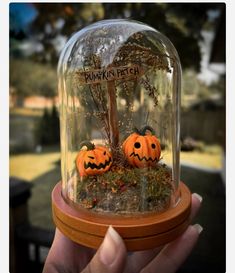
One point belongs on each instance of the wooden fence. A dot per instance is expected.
(208, 126)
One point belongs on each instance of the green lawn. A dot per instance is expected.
(30, 166)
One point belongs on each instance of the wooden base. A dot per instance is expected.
(139, 231)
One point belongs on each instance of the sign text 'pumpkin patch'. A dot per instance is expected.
(109, 74)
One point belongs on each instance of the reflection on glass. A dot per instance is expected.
(119, 87)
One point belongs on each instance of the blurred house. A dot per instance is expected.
(32, 102)
(40, 102)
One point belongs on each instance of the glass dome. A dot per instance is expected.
(119, 89)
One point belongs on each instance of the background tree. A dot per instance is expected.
(32, 78)
(182, 23)
(51, 24)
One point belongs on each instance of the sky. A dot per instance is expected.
(209, 72)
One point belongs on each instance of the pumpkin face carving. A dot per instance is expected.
(95, 160)
(142, 148)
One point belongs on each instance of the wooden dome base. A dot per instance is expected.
(139, 231)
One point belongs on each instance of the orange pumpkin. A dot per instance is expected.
(94, 160)
(142, 148)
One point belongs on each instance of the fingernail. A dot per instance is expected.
(109, 247)
(198, 227)
(199, 197)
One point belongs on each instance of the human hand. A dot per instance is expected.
(66, 256)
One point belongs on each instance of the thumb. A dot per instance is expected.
(110, 257)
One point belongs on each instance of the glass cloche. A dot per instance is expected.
(119, 89)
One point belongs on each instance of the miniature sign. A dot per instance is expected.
(109, 74)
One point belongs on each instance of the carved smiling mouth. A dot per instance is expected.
(98, 167)
(143, 158)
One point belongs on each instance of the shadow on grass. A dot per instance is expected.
(209, 254)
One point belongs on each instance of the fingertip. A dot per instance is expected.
(197, 196)
(192, 233)
(111, 255)
(111, 245)
(196, 204)
(198, 228)
(115, 236)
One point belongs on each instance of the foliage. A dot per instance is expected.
(182, 23)
(53, 24)
(30, 78)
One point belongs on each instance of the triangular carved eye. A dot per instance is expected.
(153, 145)
(137, 145)
(104, 152)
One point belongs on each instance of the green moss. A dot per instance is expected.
(126, 190)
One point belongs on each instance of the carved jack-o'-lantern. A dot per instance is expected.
(94, 160)
(142, 148)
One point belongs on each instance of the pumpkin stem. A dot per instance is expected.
(88, 144)
(136, 130)
(146, 128)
